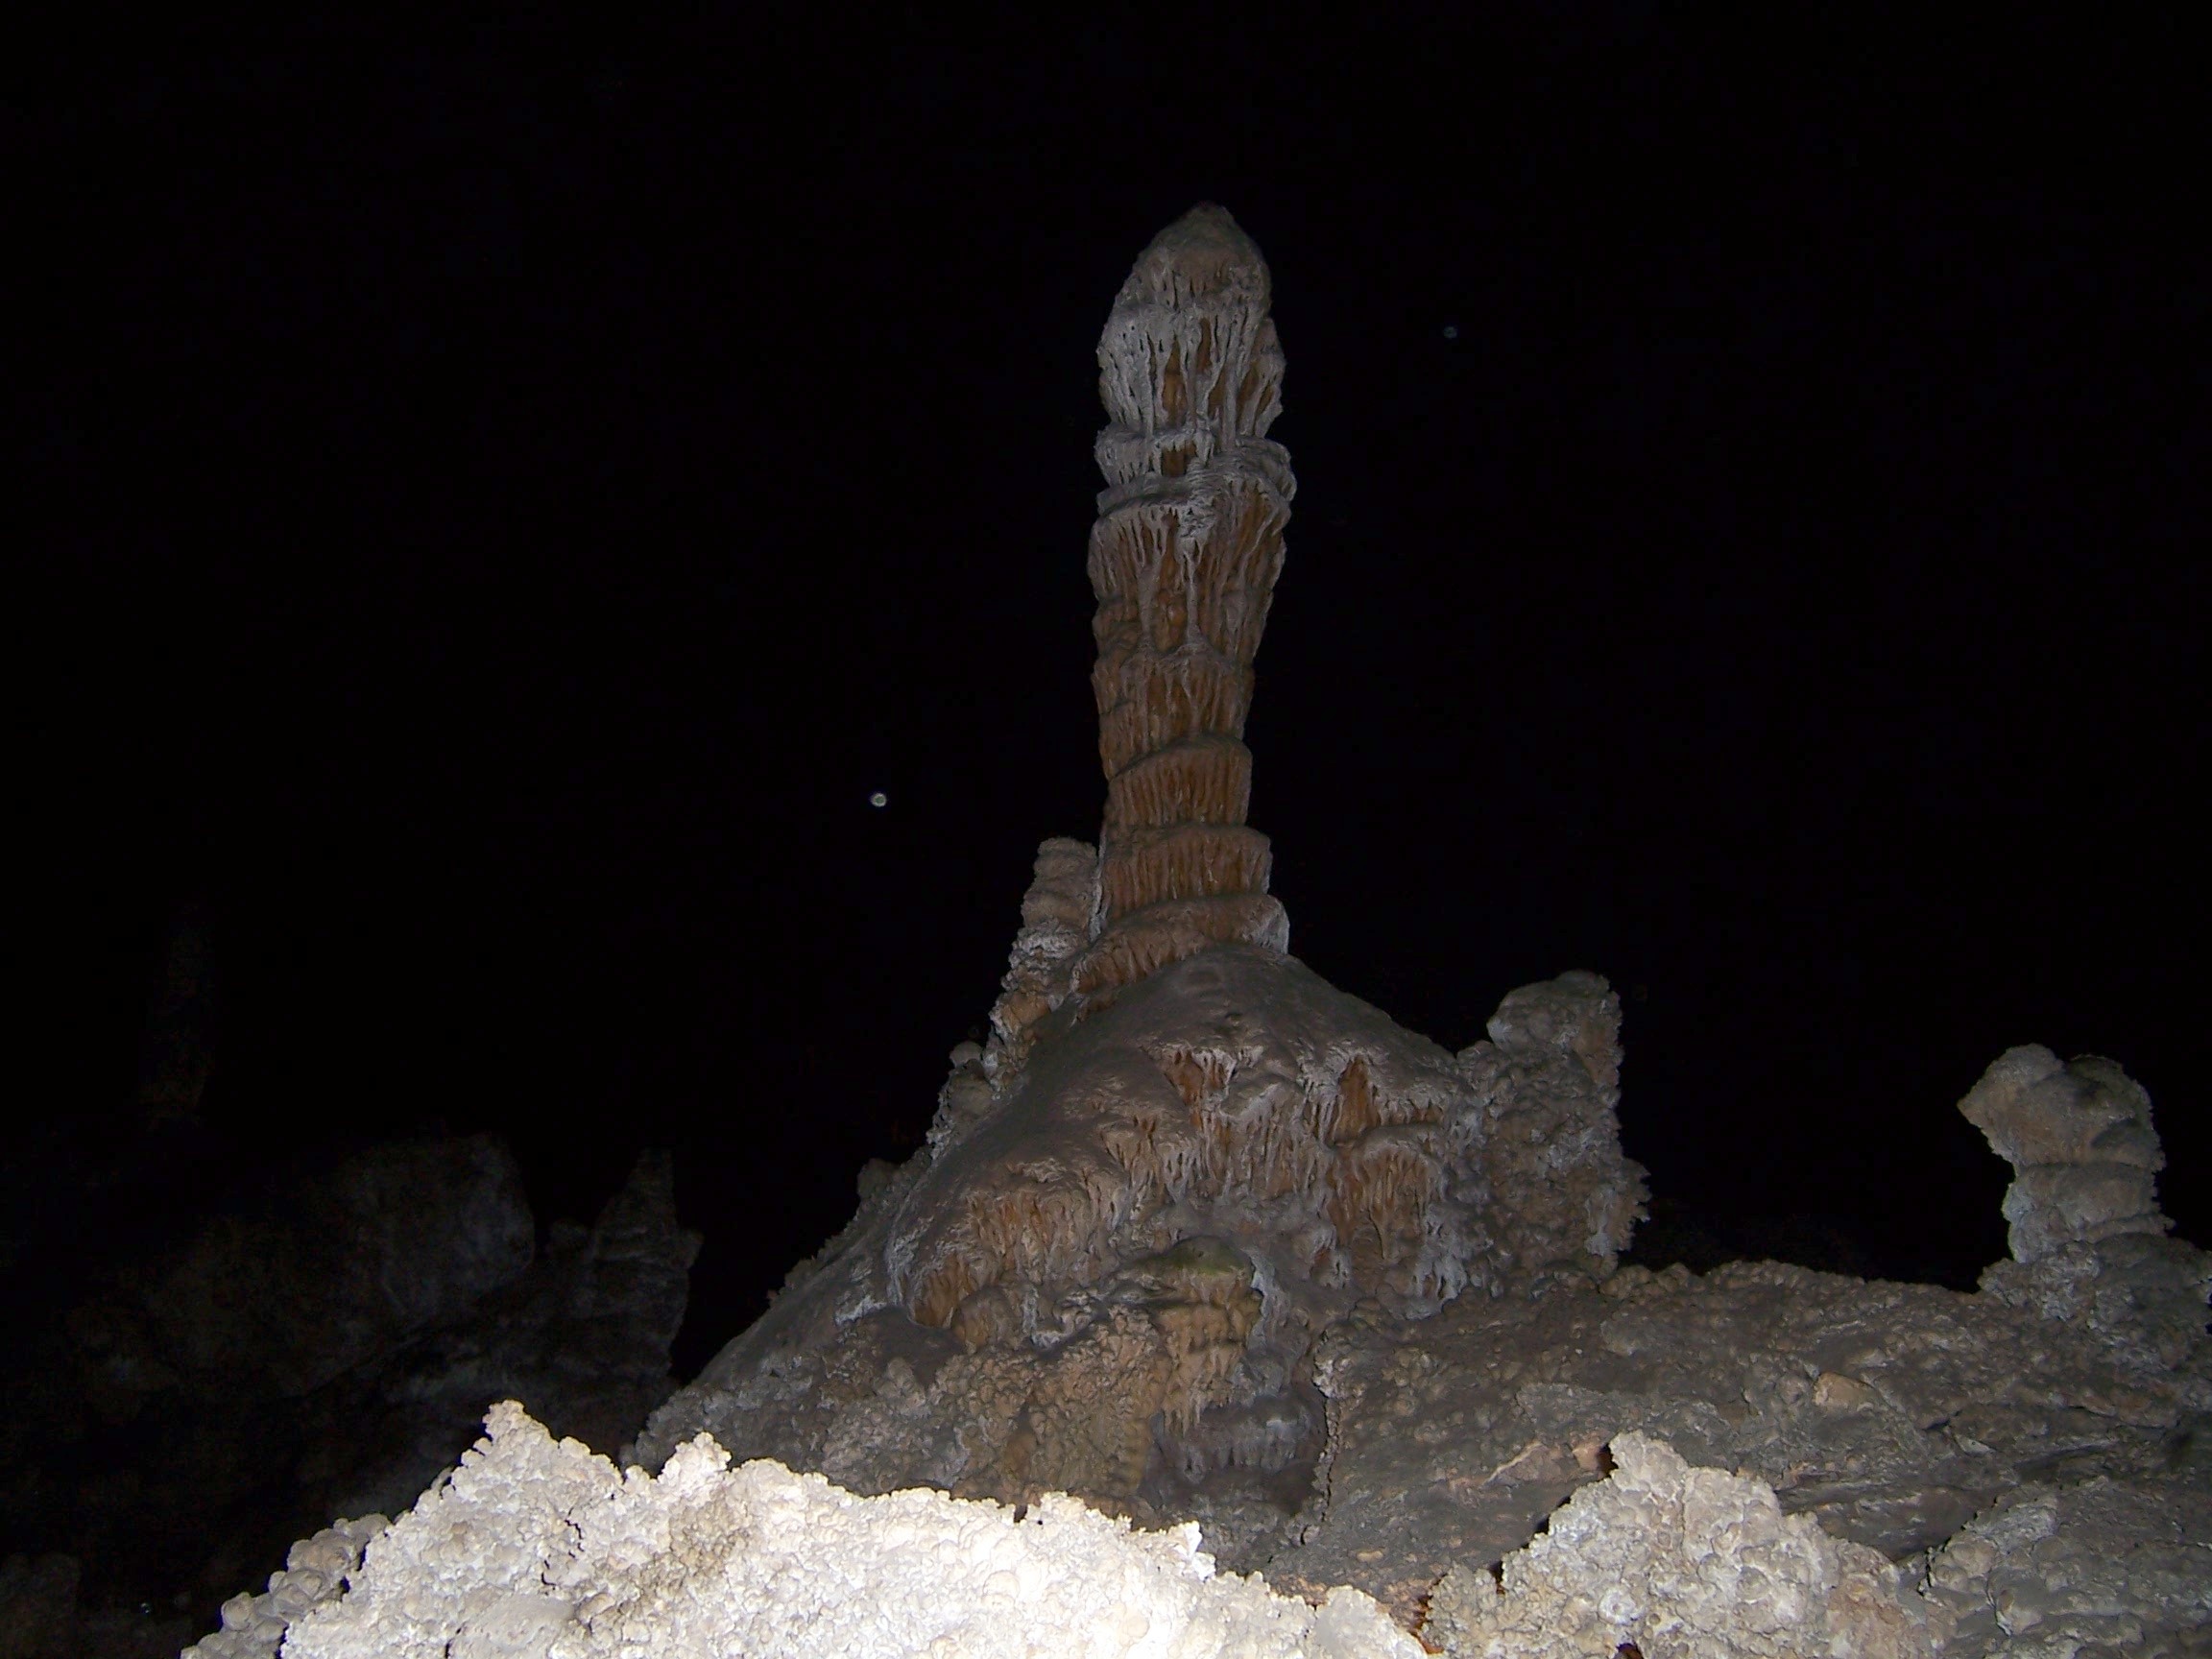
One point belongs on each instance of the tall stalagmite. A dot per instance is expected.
(1183, 559)
(1197, 1236)
(1182, 1157)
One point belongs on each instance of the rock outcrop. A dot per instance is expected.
(533, 1548)
(2094, 1570)
(277, 1303)
(317, 1572)
(1889, 1414)
(1568, 1199)
(1203, 1237)
(1059, 914)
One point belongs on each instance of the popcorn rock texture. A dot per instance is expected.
(1184, 559)
(1682, 1563)
(539, 1549)
(315, 1571)
(2095, 1571)
(2089, 1243)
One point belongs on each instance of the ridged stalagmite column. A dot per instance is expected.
(1184, 559)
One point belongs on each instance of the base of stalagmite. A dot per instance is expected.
(1107, 1277)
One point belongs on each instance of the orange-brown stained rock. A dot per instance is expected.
(1184, 559)
(1355, 1112)
(1198, 780)
(1148, 701)
(1166, 932)
(1184, 861)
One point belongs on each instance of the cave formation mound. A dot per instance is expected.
(1196, 1236)
(1113, 1283)
(1182, 1156)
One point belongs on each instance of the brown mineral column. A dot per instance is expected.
(1183, 559)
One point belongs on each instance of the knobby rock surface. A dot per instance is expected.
(540, 1550)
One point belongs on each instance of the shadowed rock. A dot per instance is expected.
(176, 1048)
(325, 1353)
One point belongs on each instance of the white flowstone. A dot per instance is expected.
(535, 1548)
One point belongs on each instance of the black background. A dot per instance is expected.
(513, 499)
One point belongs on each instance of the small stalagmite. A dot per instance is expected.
(1183, 559)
